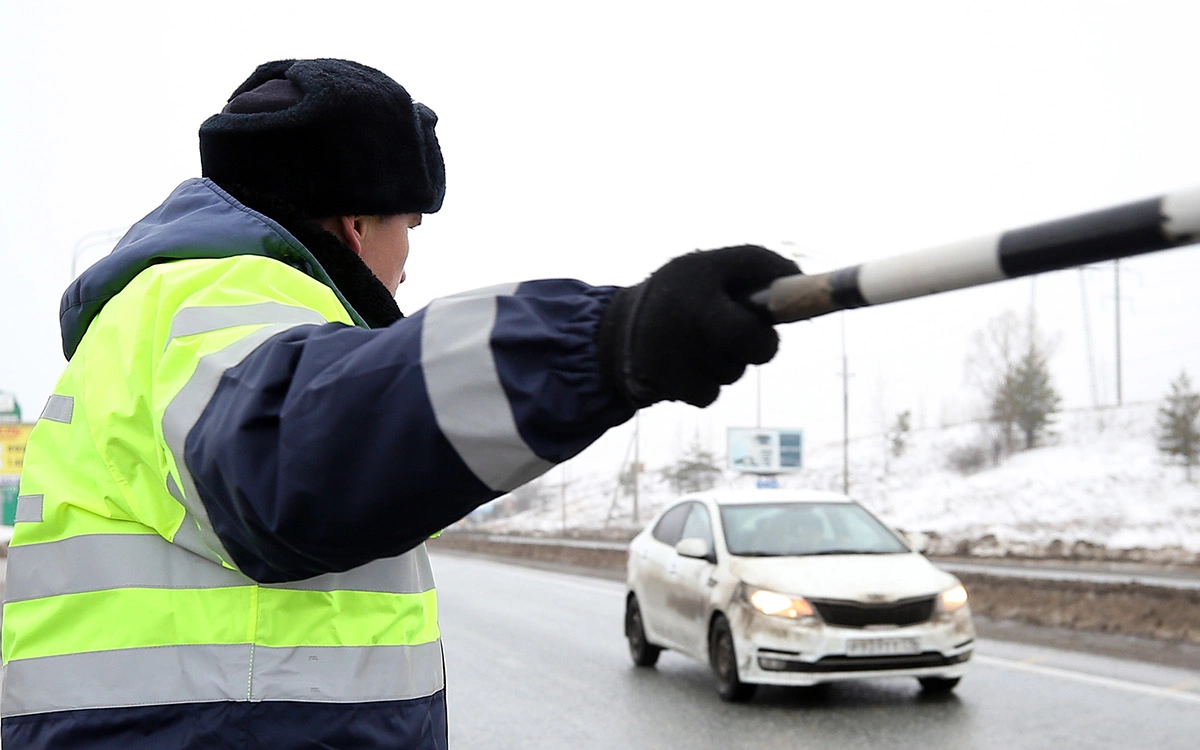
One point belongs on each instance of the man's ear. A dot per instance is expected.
(348, 229)
(352, 232)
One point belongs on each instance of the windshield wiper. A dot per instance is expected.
(853, 552)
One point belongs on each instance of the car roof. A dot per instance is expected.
(775, 495)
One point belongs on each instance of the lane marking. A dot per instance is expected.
(1185, 685)
(1108, 682)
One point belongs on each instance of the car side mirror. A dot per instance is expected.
(694, 547)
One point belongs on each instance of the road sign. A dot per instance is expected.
(12, 457)
(764, 450)
(10, 410)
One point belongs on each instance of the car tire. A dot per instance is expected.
(644, 653)
(723, 657)
(938, 685)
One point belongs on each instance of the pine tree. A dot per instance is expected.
(695, 472)
(1179, 424)
(1026, 398)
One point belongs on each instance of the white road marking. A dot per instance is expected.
(1090, 679)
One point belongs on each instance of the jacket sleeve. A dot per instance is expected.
(327, 446)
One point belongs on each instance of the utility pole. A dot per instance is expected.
(845, 412)
(758, 396)
(637, 461)
(1117, 307)
(563, 497)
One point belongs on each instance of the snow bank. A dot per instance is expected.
(1100, 490)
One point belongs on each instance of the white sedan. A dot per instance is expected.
(787, 587)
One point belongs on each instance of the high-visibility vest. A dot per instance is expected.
(119, 592)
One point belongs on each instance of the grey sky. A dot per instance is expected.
(598, 141)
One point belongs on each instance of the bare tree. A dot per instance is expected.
(1008, 365)
(994, 353)
(898, 434)
(529, 495)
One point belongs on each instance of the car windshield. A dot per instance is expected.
(784, 529)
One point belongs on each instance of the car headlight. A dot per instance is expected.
(778, 605)
(953, 599)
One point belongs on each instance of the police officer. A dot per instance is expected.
(221, 523)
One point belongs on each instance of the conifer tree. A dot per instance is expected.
(1026, 398)
(1179, 424)
(695, 472)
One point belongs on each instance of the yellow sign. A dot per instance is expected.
(12, 447)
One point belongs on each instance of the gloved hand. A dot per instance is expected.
(687, 329)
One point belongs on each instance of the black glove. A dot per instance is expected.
(687, 330)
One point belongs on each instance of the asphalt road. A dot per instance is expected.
(536, 659)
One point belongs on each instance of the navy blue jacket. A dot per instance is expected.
(330, 446)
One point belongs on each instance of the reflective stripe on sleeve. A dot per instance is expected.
(99, 562)
(464, 388)
(59, 408)
(194, 320)
(207, 673)
(29, 510)
(185, 409)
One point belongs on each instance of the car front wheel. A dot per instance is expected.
(724, 663)
(644, 653)
(938, 685)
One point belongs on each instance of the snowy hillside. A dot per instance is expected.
(1102, 491)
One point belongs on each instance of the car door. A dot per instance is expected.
(652, 581)
(690, 581)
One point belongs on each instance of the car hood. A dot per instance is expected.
(869, 578)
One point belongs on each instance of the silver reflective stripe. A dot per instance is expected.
(187, 406)
(207, 673)
(99, 562)
(29, 509)
(194, 320)
(59, 408)
(347, 674)
(464, 388)
(409, 573)
(147, 676)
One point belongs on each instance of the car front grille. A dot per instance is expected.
(864, 663)
(860, 615)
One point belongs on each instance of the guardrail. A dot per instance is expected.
(1128, 607)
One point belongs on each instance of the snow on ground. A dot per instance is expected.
(1100, 490)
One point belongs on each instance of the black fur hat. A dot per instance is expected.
(330, 137)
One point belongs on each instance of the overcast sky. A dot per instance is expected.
(598, 140)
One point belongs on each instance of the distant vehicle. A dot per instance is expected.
(786, 587)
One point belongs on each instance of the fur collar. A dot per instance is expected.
(365, 293)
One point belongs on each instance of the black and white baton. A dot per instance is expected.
(1158, 223)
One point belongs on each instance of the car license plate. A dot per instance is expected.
(881, 646)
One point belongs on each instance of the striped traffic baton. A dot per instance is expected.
(1170, 220)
